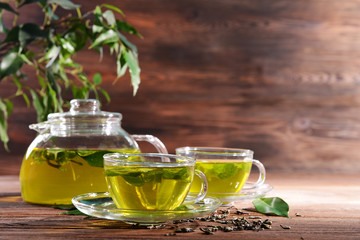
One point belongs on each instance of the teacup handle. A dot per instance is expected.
(159, 145)
(203, 190)
(262, 175)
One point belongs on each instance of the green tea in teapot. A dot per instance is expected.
(45, 172)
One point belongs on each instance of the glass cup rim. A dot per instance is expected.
(120, 158)
(216, 151)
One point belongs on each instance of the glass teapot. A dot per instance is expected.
(66, 158)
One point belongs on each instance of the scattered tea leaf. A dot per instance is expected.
(285, 227)
(272, 205)
(184, 230)
(170, 234)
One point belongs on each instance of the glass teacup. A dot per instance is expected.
(152, 181)
(226, 169)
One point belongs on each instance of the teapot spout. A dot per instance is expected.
(40, 127)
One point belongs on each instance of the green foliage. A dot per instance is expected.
(56, 42)
(5, 110)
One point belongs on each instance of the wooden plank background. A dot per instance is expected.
(279, 77)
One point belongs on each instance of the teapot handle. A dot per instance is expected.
(159, 145)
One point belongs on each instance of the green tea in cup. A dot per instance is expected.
(226, 169)
(150, 181)
(224, 176)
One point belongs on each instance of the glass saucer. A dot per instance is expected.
(101, 205)
(246, 193)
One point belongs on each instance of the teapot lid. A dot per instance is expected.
(84, 117)
(84, 109)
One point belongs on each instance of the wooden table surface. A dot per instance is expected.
(329, 205)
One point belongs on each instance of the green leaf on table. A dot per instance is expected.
(71, 209)
(73, 212)
(64, 207)
(272, 205)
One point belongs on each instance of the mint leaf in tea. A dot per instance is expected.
(224, 176)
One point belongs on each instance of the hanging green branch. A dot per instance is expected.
(58, 39)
